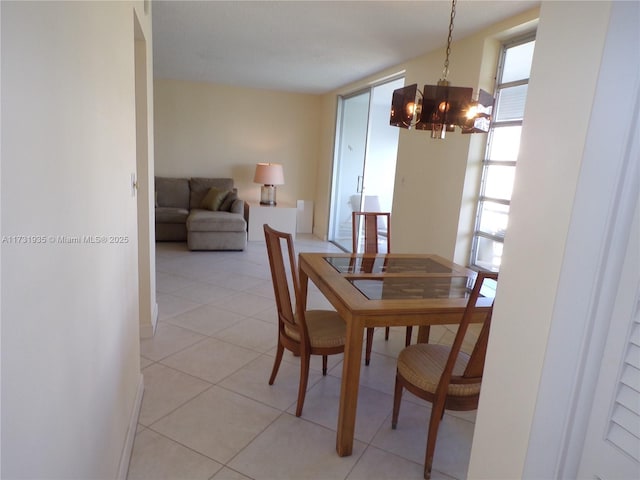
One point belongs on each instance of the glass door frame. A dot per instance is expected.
(339, 228)
(336, 224)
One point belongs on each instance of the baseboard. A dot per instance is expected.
(123, 467)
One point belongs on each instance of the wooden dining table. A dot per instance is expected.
(379, 290)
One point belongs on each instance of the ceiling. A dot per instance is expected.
(306, 46)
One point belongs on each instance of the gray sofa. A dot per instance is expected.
(186, 210)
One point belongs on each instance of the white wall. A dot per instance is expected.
(608, 191)
(71, 379)
(210, 130)
(564, 77)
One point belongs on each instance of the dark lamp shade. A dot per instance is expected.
(483, 109)
(404, 111)
(444, 105)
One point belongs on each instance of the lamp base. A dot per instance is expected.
(268, 195)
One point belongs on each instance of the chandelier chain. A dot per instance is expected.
(445, 71)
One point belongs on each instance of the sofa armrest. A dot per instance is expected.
(237, 207)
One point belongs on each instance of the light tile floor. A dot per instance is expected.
(209, 413)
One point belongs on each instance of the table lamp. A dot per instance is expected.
(270, 175)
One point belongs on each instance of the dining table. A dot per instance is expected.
(380, 290)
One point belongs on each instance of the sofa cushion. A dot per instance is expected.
(207, 221)
(172, 192)
(171, 215)
(214, 198)
(228, 202)
(200, 187)
(219, 241)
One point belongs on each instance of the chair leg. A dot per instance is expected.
(324, 365)
(386, 333)
(407, 337)
(304, 377)
(423, 334)
(276, 363)
(367, 356)
(397, 397)
(437, 412)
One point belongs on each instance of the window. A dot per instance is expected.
(501, 154)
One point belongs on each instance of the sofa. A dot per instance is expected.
(206, 212)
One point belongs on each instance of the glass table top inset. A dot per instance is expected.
(381, 264)
(406, 288)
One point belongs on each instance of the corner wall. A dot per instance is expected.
(71, 382)
(565, 72)
(145, 173)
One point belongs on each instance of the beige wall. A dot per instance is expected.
(71, 381)
(436, 182)
(204, 129)
(564, 72)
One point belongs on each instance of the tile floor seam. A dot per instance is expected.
(164, 319)
(250, 442)
(309, 386)
(235, 325)
(244, 347)
(191, 449)
(222, 379)
(226, 309)
(212, 335)
(273, 324)
(174, 440)
(369, 445)
(228, 389)
(150, 426)
(181, 372)
(200, 340)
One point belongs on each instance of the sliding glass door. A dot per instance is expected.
(364, 160)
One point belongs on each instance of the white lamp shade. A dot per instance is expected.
(269, 174)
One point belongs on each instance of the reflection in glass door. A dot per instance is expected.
(364, 160)
(349, 158)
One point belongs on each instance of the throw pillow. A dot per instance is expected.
(214, 198)
(228, 202)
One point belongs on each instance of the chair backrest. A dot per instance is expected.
(284, 277)
(475, 365)
(368, 223)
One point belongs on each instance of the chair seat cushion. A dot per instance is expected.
(326, 329)
(423, 363)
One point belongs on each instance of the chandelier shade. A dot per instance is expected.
(444, 107)
(440, 108)
(404, 107)
(480, 114)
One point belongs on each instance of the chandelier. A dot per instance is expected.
(440, 108)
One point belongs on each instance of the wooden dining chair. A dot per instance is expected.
(303, 332)
(366, 226)
(444, 375)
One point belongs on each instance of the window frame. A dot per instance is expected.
(478, 233)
